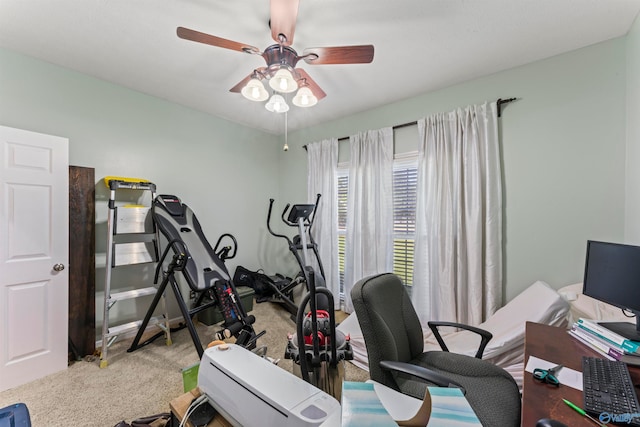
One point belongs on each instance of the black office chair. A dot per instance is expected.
(395, 347)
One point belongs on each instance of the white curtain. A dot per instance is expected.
(322, 162)
(369, 240)
(458, 253)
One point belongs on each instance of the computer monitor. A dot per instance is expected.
(612, 275)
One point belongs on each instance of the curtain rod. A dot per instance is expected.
(499, 102)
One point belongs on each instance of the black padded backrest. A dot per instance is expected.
(176, 220)
(388, 321)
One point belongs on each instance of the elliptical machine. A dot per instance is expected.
(317, 349)
(300, 216)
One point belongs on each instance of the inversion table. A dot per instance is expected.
(203, 269)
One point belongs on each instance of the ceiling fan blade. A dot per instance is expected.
(197, 36)
(283, 20)
(243, 82)
(362, 54)
(317, 91)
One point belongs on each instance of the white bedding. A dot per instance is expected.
(589, 308)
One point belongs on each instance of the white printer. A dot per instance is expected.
(248, 391)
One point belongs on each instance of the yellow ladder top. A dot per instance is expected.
(108, 179)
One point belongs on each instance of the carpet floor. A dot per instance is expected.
(140, 383)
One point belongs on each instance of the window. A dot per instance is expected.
(343, 189)
(405, 178)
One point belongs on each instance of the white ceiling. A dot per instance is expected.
(420, 45)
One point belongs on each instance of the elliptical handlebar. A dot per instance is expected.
(302, 217)
(305, 211)
(313, 217)
(284, 212)
(273, 233)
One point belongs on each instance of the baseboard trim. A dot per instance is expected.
(131, 333)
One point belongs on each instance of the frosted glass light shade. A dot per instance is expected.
(283, 81)
(277, 104)
(255, 91)
(304, 98)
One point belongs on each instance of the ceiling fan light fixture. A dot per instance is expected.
(255, 91)
(283, 81)
(304, 98)
(277, 104)
(281, 60)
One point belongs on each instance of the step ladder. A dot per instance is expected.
(132, 239)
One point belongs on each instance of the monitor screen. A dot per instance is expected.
(612, 275)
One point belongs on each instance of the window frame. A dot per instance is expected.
(342, 172)
(407, 160)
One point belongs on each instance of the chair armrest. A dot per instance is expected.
(422, 373)
(485, 336)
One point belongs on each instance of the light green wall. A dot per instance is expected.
(632, 219)
(223, 171)
(563, 146)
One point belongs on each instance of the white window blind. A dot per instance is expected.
(405, 178)
(343, 188)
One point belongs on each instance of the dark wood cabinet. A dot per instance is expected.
(82, 283)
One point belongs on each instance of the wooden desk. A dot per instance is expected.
(554, 344)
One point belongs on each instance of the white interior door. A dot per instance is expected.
(34, 252)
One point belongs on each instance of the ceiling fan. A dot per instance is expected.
(281, 60)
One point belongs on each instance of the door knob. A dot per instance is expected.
(58, 267)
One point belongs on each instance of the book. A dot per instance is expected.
(572, 332)
(190, 377)
(610, 336)
(604, 347)
(597, 343)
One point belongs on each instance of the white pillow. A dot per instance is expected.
(590, 308)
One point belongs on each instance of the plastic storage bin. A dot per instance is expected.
(212, 315)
